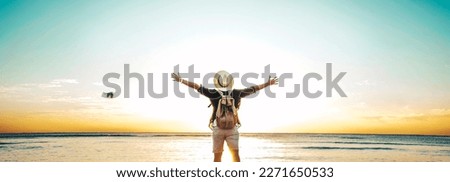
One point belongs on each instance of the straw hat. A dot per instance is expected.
(223, 81)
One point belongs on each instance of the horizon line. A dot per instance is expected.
(181, 132)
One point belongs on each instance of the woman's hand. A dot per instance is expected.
(211, 126)
(176, 77)
(273, 81)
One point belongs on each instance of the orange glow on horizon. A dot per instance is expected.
(20, 123)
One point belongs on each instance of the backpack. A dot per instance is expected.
(226, 114)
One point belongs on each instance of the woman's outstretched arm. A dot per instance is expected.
(253, 89)
(176, 77)
(272, 81)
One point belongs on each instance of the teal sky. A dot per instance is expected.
(36, 34)
(396, 53)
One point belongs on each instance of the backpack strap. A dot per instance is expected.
(232, 104)
(220, 92)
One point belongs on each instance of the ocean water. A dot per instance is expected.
(194, 147)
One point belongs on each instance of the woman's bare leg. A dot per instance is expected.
(235, 156)
(218, 157)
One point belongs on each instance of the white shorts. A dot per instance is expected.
(221, 135)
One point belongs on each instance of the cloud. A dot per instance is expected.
(56, 83)
(27, 90)
(440, 111)
(55, 96)
(64, 81)
(44, 85)
(366, 83)
(97, 84)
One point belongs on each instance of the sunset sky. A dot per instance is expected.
(396, 55)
